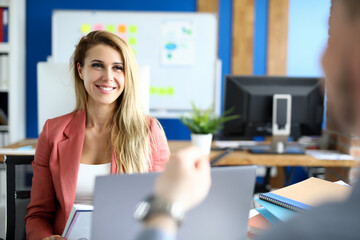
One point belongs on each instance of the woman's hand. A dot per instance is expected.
(54, 237)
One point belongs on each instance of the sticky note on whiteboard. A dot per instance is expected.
(153, 90)
(132, 29)
(98, 27)
(122, 28)
(171, 91)
(110, 28)
(132, 41)
(85, 28)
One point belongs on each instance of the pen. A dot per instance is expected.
(220, 156)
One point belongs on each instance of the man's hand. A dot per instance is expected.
(186, 179)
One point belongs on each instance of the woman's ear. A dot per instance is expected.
(79, 70)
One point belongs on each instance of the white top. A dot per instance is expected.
(86, 181)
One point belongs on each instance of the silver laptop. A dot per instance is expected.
(223, 214)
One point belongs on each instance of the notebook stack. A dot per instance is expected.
(282, 204)
(259, 221)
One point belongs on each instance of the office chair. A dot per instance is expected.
(17, 200)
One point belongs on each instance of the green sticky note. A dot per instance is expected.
(132, 29)
(134, 52)
(132, 41)
(110, 28)
(153, 90)
(171, 91)
(162, 91)
(85, 28)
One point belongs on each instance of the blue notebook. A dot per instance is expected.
(309, 193)
(267, 215)
(283, 214)
(284, 202)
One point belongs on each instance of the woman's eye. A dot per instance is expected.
(96, 65)
(120, 68)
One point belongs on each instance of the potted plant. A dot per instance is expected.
(203, 124)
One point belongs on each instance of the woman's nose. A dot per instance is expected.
(107, 75)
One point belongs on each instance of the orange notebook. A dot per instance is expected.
(307, 194)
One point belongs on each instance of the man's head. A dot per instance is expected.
(341, 63)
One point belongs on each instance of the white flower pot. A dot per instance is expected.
(202, 141)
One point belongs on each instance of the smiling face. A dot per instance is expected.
(103, 75)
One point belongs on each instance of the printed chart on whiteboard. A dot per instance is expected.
(178, 46)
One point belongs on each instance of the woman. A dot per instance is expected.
(107, 133)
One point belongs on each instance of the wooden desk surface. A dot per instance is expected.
(243, 157)
(246, 158)
(26, 142)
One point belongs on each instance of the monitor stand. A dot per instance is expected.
(278, 147)
(281, 125)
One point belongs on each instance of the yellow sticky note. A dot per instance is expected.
(153, 90)
(110, 28)
(162, 91)
(132, 41)
(85, 28)
(132, 29)
(171, 91)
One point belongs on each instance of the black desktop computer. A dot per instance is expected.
(273, 106)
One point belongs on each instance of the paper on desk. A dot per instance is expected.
(17, 151)
(79, 222)
(342, 183)
(328, 155)
(234, 144)
(253, 212)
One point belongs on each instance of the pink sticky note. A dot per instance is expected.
(98, 27)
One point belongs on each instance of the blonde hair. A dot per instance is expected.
(130, 131)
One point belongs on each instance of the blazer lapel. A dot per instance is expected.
(113, 167)
(69, 153)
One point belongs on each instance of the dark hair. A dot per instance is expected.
(352, 6)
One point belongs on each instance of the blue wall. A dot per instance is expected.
(307, 30)
(38, 43)
(260, 36)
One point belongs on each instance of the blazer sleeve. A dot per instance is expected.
(42, 207)
(154, 234)
(160, 152)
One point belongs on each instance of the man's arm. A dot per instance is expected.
(186, 181)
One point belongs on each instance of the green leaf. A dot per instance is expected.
(206, 121)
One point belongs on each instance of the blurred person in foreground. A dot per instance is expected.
(187, 178)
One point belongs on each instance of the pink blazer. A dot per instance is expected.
(56, 166)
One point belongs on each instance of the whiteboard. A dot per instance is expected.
(179, 48)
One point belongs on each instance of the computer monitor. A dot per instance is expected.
(251, 97)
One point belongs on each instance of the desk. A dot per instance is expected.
(246, 158)
(26, 142)
(334, 169)
(242, 157)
